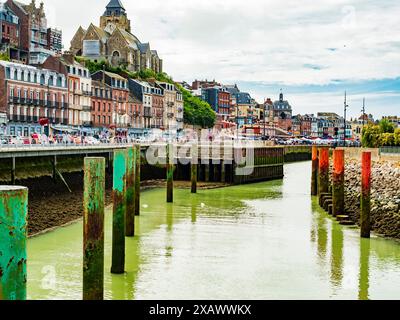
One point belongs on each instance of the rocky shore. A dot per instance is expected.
(385, 196)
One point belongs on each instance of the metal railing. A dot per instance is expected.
(389, 150)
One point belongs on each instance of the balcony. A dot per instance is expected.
(170, 104)
(87, 108)
(147, 112)
(86, 93)
(170, 115)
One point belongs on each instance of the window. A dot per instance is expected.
(104, 119)
(104, 106)
(98, 107)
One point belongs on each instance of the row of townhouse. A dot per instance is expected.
(230, 104)
(62, 94)
(323, 125)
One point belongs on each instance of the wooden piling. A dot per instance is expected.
(314, 175)
(365, 218)
(338, 183)
(93, 228)
(119, 212)
(13, 170)
(193, 170)
(130, 193)
(13, 235)
(207, 172)
(170, 173)
(137, 179)
(323, 171)
(223, 175)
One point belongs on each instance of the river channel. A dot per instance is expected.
(260, 241)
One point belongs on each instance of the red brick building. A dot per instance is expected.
(102, 105)
(224, 103)
(135, 113)
(120, 96)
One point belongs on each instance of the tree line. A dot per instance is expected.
(379, 135)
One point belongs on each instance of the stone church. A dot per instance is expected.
(114, 42)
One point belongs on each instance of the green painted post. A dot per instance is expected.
(93, 228)
(194, 163)
(130, 193)
(119, 212)
(13, 235)
(137, 179)
(170, 174)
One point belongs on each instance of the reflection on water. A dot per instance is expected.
(365, 247)
(261, 241)
(336, 255)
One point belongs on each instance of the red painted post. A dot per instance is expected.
(365, 218)
(338, 183)
(323, 171)
(314, 176)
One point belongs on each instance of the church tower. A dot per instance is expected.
(116, 14)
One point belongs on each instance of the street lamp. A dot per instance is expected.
(363, 113)
(265, 118)
(346, 106)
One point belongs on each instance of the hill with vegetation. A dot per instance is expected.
(196, 111)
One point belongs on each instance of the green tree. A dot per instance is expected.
(4, 56)
(386, 126)
(371, 136)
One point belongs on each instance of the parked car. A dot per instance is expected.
(91, 141)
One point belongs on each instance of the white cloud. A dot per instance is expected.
(280, 42)
(256, 39)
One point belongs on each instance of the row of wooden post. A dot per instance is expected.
(126, 197)
(320, 183)
(126, 205)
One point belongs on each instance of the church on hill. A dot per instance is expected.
(113, 41)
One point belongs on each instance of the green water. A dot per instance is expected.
(261, 241)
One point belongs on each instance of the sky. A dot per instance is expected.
(313, 50)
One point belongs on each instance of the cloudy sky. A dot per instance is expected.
(313, 50)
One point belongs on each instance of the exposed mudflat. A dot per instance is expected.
(51, 204)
